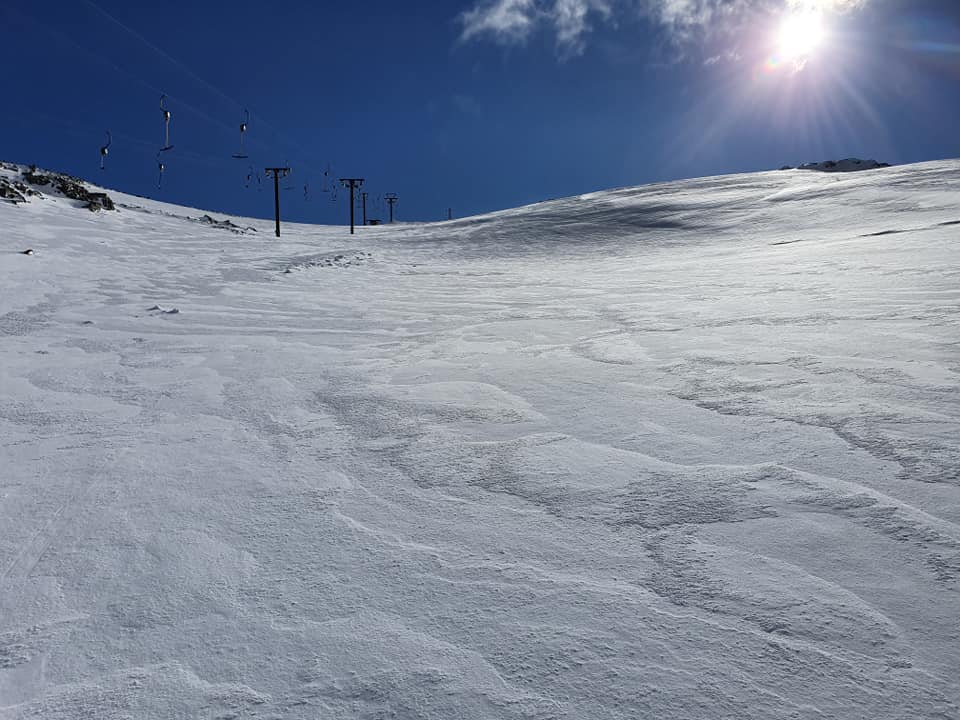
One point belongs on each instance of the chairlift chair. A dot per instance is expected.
(105, 150)
(166, 124)
(243, 130)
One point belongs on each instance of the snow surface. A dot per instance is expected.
(680, 451)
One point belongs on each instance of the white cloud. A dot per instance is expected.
(569, 18)
(512, 21)
(505, 20)
(826, 5)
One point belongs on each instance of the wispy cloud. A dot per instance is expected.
(512, 22)
(570, 19)
(506, 21)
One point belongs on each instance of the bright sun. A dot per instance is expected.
(800, 35)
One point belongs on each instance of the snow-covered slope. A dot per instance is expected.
(680, 451)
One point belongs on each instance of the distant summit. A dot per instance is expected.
(848, 165)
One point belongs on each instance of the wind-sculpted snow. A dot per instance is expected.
(681, 451)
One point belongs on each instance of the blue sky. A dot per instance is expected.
(469, 105)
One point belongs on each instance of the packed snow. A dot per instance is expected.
(689, 450)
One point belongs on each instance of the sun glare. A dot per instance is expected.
(800, 35)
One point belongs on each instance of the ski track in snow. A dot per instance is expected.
(681, 451)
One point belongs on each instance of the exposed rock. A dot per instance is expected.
(16, 191)
(100, 201)
(10, 193)
(847, 165)
(225, 225)
(70, 187)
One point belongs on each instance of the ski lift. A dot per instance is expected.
(166, 125)
(166, 139)
(243, 129)
(325, 183)
(105, 150)
(251, 174)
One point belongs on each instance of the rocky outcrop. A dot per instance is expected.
(847, 165)
(224, 225)
(69, 187)
(100, 201)
(15, 191)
